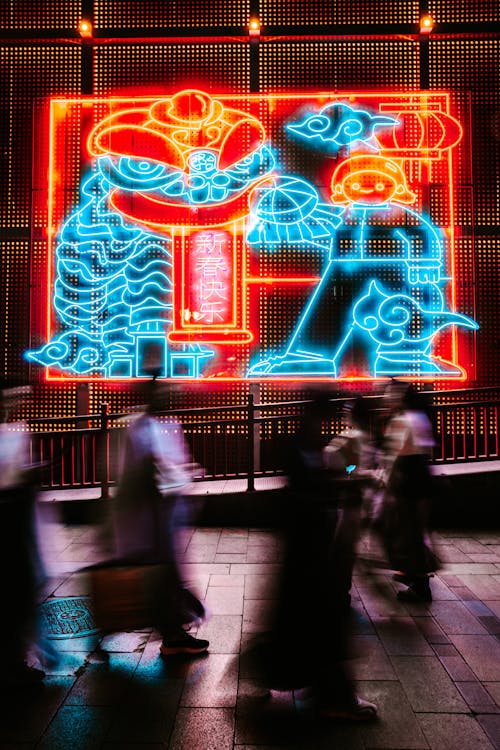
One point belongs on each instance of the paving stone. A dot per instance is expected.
(455, 617)
(445, 649)
(478, 608)
(482, 654)
(77, 727)
(490, 623)
(203, 729)
(211, 682)
(223, 632)
(234, 544)
(453, 732)
(125, 642)
(494, 690)
(457, 668)
(26, 714)
(483, 586)
(449, 553)
(104, 684)
(401, 636)
(491, 725)
(441, 590)
(257, 615)
(428, 685)
(469, 545)
(397, 727)
(431, 630)
(261, 554)
(478, 698)
(370, 659)
(270, 720)
(261, 586)
(230, 557)
(225, 600)
(227, 580)
(201, 553)
(471, 568)
(464, 593)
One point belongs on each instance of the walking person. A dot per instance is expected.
(20, 564)
(308, 592)
(408, 443)
(350, 456)
(145, 519)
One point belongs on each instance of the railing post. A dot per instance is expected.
(103, 453)
(250, 444)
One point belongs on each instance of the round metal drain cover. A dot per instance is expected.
(70, 617)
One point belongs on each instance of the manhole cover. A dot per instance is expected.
(70, 617)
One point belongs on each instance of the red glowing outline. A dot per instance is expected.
(437, 105)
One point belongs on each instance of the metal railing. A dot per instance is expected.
(244, 441)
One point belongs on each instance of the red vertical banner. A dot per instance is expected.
(209, 283)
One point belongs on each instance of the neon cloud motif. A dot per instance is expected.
(380, 236)
(337, 126)
(402, 330)
(289, 210)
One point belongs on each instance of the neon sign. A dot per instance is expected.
(184, 201)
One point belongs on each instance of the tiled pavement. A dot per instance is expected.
(433, 670)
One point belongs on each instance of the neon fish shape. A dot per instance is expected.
(289, 210)
(337, 125)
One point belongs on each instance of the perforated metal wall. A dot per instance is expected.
(42, 56)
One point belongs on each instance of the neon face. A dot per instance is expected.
(183, 201)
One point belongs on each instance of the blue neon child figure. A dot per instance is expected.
(380, 300)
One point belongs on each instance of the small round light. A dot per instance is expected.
(254, 27)
(85, 28)
(426, 24)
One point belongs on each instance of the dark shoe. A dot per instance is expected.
(415, 594)
(360, 710)
(184, 644)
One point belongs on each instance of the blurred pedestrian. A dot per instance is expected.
(297, 655)
(350, 456)
(408, 442)
(19, 559)
(148, 499)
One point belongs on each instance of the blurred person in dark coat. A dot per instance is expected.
(300, 652)
(20, 570)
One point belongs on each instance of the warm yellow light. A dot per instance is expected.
(254, 27)
(426, 24)
(85, 28)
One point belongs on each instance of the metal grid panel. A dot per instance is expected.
(463, 11)
(378, 12)
(19, 15)
(14, 272)
(28, 73)
(174, 14)
(471, 69)
(168, 67)
(356, 64)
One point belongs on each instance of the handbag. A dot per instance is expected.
(127, 596)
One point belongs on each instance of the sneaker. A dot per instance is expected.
(360, 710)
(184, 644)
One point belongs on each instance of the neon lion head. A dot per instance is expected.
(370, 180)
